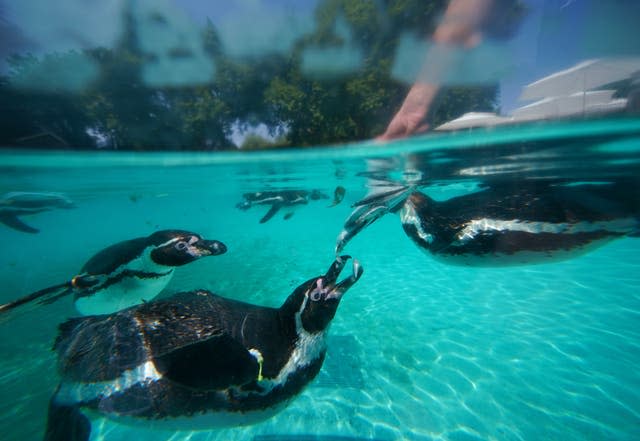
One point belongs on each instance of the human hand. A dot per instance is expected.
(410, 119)
(403, 125)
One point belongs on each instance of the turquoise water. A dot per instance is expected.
(419, 349)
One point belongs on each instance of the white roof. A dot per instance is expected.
(563, 94)
(575, 104)
(584, 76)
(474, 119)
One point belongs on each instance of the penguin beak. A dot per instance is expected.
(337, 290)
(210, 247)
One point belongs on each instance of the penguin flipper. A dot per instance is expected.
(66, 423)
(12, 221)
(46, 295)
(272, 212)
(215, 363)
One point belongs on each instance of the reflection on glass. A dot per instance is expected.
(163, 75)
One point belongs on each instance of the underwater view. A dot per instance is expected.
(320, 220)
(419, 348)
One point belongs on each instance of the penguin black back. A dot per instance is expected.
(196, 359)
(521, 224)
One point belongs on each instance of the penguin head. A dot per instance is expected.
(177, 247)
(315, 301)
(420, 222)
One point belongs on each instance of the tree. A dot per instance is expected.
(345, 99)
(359, 104)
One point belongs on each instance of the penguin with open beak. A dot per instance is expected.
(195, 360)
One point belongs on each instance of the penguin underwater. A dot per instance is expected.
(507, 224)
(126, 273)
(279, 199)
(15, 204)
(193, 361)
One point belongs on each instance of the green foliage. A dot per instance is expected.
(301, 110)
(254, 141)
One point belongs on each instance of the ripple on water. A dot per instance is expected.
(544, 352)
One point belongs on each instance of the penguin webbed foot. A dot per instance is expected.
(359, 219)
(370, 209)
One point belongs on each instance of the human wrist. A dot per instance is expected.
(418, 99)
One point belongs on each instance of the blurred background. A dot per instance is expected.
(249, 74)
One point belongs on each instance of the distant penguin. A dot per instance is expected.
(278, 199)
(16, 204)
(126, 273)
(338, 195)
(194, 361)
(514, 224)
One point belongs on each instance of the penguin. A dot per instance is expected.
(15, 204)
(278, 199)
(194, 361)
(126, 273)
(338, 195)
(505, 224)
(518, 226)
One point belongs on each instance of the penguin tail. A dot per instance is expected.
(43, 296)
(66, 423)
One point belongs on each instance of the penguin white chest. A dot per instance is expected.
(136, 282)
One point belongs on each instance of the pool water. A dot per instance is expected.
(419, 350)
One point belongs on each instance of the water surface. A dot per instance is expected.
(419, 349)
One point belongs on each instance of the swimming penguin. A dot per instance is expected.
(194, 361)
(15, 204)
(512, 224)
(279, 199)
(126, 273)
(338, 195)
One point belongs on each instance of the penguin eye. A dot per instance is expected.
(181, 246)
(315, 295)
